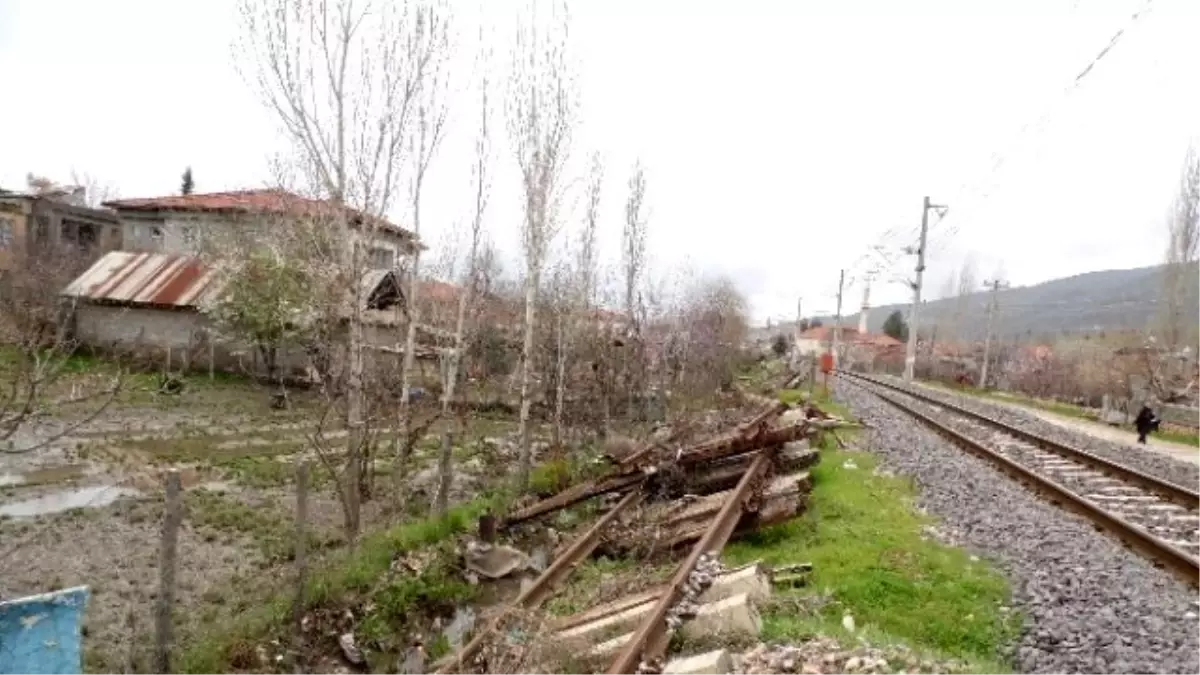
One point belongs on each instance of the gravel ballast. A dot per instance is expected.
(1089, 604)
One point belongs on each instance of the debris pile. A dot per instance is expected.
(658, 499)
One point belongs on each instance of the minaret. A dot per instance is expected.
(862, 316)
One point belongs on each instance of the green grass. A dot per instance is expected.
(864, 541)
(269, 530)
(1056, 407)
(347, 576)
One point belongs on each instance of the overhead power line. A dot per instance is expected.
(999, 158)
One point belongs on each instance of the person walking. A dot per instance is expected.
(1145, 422)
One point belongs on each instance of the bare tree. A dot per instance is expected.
(633, 261)
(84, 189)
(542, 104)
(341, 78)
(481, 179)
(582, 297)
(1183, 228)
(431, 100)
(968, 283)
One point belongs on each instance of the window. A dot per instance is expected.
(6, 233)
(189, 236)
(155, 233)
(382, 258)
(88, 235)
(41, 233)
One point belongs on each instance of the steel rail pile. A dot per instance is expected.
(1180, 562)
(756, 440)
(647, 647)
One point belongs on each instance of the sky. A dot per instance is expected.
(781, 140)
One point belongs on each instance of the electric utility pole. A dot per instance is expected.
(995, 285)
(836, 334)
(910, 351)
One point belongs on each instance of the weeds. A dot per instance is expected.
(869, 556)
(352, 574)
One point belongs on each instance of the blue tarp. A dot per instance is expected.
(43, 633)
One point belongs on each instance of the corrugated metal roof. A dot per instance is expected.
(160, 279)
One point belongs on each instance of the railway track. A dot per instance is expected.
(1158, 518)
(748, 459)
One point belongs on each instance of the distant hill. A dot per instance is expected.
(1091, 302)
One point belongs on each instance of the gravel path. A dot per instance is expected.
(1090, 605)
(1161, 466)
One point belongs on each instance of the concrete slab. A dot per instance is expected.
(733, 616)
(625, 614)
(712, 663)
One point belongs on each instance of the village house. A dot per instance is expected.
(179, 224)
(151, 305)
(855, 348)
(54, 224)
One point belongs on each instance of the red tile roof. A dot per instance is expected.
(438, 291)
(246, 201)
(822, 332)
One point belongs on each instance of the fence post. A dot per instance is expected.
(301, 543)
(172, 517)
(445, 474)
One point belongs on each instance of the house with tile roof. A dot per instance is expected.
(178, 224)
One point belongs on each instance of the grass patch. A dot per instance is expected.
(262, 471)
(213, 447)
(1056, 407)
(585, 581)
(266, 528)
(348, 575)
(864, 541)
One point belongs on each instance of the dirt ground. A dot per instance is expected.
(87, 509)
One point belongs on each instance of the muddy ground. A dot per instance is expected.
(87, 509)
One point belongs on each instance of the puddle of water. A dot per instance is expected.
(95, 496)
(216, 486)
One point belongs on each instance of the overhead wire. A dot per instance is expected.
(998, 158)
(886, 256)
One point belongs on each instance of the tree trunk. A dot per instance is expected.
(525, 465)
(560, 384)
(445, 474)
(355, 403)
(406, 369)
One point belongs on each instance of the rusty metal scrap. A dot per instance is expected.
(649, 642)
(631, 471)
(537, 592)
(702, 493)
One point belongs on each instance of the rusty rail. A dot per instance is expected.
(650, 639)
(537, 592)
(628, 475)
(1179, 562)
(733, 445)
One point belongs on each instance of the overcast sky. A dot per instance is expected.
(781, 139)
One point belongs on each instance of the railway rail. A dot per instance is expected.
(1158, 518)
(747, 458)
